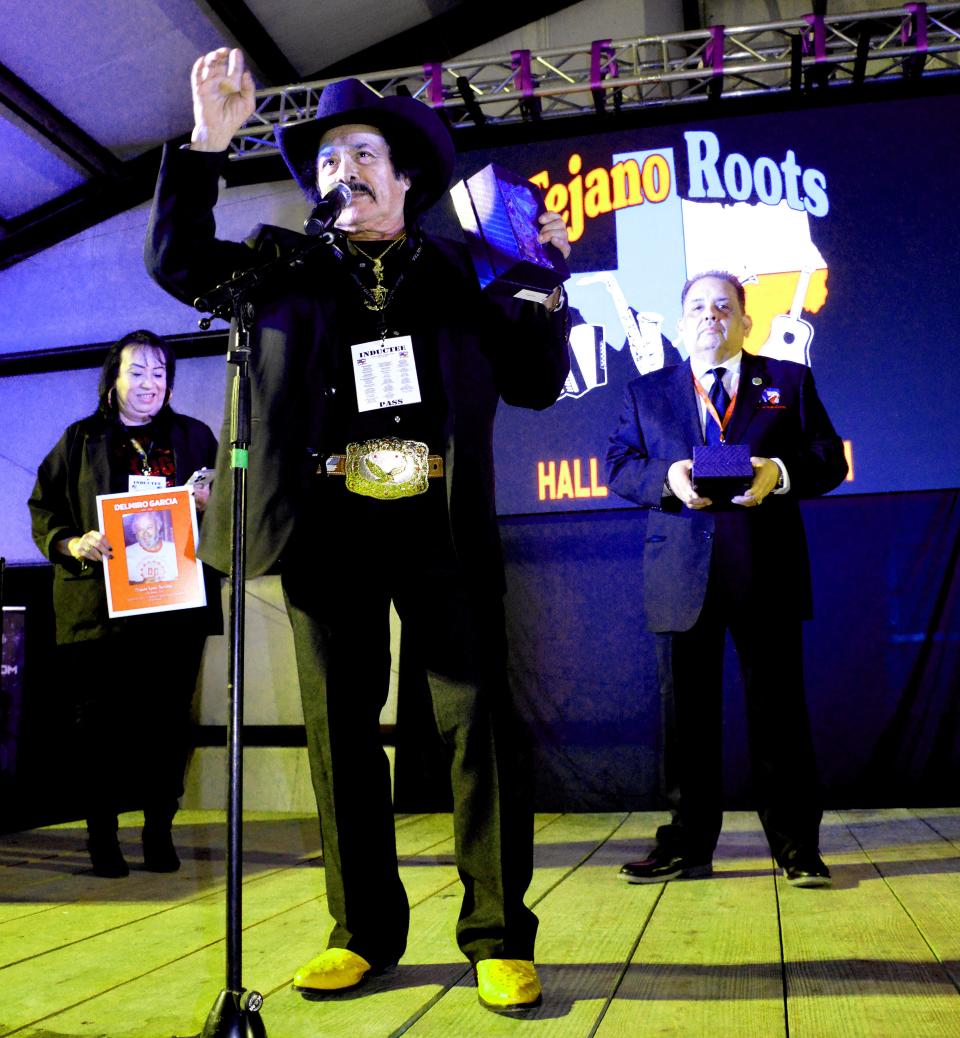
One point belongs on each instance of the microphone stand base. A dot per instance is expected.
(235, 1015)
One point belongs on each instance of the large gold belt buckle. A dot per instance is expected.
(387, 469)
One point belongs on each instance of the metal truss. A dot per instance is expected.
(812, 52)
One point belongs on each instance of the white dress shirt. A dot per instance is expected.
(703, 370)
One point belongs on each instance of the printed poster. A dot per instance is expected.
(154, 539)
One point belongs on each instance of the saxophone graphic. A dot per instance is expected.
(642, 331)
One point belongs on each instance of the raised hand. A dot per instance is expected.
(222, 98)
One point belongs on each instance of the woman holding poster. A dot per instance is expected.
(139, 671)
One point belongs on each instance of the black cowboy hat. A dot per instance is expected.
(420, 144)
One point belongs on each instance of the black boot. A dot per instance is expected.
(105, 854)
(159, 854)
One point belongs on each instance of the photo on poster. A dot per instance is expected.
(150, 547)
(154, 567)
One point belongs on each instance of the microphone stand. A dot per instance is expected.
(236, 1011)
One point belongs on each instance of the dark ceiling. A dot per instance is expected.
(89, 92)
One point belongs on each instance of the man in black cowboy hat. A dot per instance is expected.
(378, 366)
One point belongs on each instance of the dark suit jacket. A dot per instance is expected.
(660, 424)
(64, 504)
(487, 350)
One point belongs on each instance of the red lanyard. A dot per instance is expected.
(711, 410)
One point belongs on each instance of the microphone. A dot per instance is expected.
(316, 225)
(326, 211)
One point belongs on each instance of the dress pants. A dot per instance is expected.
(338, 603)
(131, 714)
(769, 647)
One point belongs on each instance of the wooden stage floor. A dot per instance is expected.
(741, 954)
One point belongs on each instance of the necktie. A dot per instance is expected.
(721, 401)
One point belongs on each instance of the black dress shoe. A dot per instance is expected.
(106, 857)
(806, 869)
(159, 854)
(659, 868)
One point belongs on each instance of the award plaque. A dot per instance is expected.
(723, 472)
(498, 211)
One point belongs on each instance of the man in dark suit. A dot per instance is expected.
(738, 565)
(377, 368)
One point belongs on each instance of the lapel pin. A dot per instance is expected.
(757, 380)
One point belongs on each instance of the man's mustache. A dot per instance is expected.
(360, 188)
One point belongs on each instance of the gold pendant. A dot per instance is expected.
(378, 293)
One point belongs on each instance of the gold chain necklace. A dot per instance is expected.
(378, 292)
(143, 455)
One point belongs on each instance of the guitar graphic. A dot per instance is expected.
(643, 336)
(790, 335)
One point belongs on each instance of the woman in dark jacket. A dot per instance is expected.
(134, 676)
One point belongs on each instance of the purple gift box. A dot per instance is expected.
(498, 211)
(722, 472)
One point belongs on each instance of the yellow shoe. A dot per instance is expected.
(508, 985)
(336, 969)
